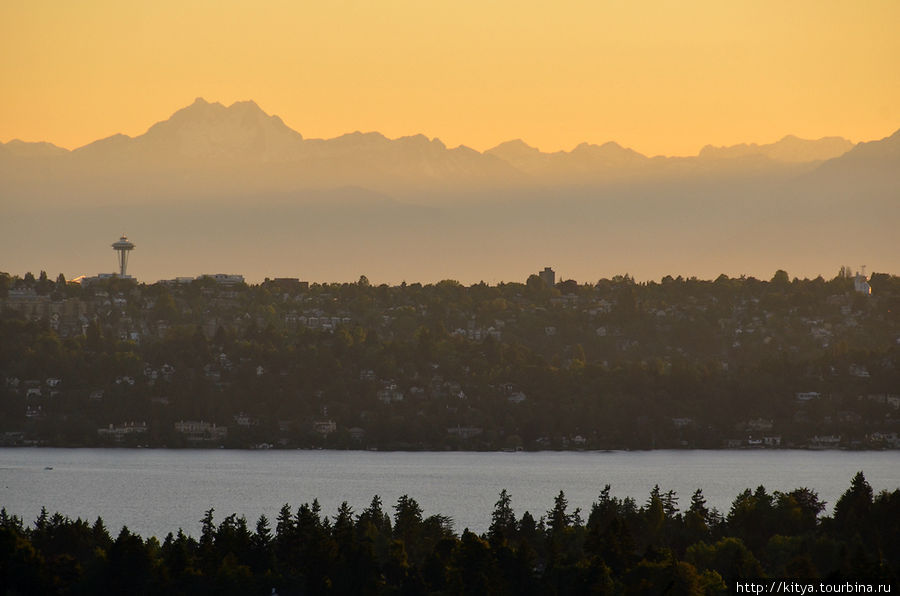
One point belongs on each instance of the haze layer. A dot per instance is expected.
(233, 189)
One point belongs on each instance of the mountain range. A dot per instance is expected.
(412, 208)
(208, 149)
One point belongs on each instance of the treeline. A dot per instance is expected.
(620, 548)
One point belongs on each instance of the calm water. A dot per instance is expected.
(157, 491)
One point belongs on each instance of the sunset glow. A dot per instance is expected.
(660, 77)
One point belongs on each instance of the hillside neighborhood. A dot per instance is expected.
(545, 364)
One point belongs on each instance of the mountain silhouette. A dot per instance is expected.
(240, 147)
(233, 188)
(585, 162)
(871, 168)
(204, 133)
(873, 154)
(788, 149)
(18, 148)
(207, 149)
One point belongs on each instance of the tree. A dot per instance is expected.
(100, 535)
(375, 515)
(286, 540)
(557, 518)
(654, 514)
(23, 569)
(43, 285)
(781, 278)
(536, 288)
(474, 566)
(316, 546)
(697, 519)
(208, 542)
(729, 557)
(343, 523)
(407, 520)
(260, 557)
(374, 529)
(670, 503)
(165, 308)
(698, 505)
(503, 520)
(852, 509)
(797, 511)
(130, 566)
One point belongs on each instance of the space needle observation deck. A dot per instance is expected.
(123, 247)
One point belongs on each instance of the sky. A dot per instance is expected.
(664, 77)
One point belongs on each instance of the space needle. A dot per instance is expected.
(123, 247)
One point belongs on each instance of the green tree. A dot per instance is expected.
(781, 279)
(728, 557)
(557, 518)
(408, 526)
(852, 508)
(130, 566)
(475, 569)
(503, 521)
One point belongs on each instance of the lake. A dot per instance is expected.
(155, 491)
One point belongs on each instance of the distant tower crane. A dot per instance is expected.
(123, 246)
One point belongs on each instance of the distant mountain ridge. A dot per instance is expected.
(24, 149)
(788, 149)
(204, 129)
(585, 160)
(207, 150)
(233, 189)
(873, 165)
(203, 132)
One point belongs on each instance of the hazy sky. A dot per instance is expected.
(661, 77)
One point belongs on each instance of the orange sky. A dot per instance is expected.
(661, 77)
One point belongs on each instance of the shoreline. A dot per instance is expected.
(425, 450)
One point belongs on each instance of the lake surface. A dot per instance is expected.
(155, 491)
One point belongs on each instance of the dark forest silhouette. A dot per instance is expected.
(621, 547)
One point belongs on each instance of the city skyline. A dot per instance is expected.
(547, 274)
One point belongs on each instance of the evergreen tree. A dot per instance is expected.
(503, 521)
(852, 508)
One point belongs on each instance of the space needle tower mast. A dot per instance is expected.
(123, 247)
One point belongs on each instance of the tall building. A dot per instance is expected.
(123, 247)
(549, 276)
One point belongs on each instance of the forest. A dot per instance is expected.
(618, 547)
